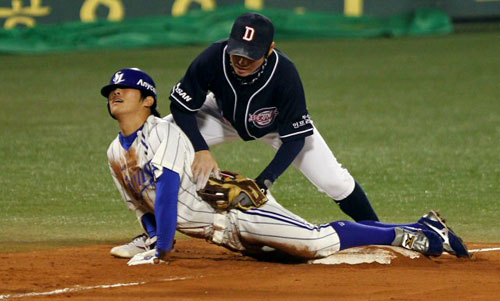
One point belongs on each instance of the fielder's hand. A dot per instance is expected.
(204, 165)
(148, 257)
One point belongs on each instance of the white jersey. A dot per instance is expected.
(158, 144)
(161, 144)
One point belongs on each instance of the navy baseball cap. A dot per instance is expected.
(251, 36)
(133, 78)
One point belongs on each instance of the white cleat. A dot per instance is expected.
(136, 246)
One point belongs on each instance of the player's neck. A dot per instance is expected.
(131, 124)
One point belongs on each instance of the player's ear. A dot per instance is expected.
(149, 101)
(271, 48)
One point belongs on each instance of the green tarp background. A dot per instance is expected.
(201, 27)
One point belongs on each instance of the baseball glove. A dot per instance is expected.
(232, 191)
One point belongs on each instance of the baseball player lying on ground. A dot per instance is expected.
(150, 161)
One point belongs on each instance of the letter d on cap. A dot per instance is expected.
(249, 32)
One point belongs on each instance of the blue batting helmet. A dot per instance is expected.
(132, 78)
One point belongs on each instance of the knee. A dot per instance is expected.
(338, 187)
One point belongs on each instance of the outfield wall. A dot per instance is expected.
(202, 27)
(19, 13)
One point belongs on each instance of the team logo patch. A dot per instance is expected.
(263, 117)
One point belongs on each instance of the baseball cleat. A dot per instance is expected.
(452, 243)
(136, 246)
(423, 241)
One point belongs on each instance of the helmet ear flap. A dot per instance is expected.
(109, 111)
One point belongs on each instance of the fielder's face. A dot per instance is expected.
(244, 66)
(124, 100)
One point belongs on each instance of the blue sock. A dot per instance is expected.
(353, 234)
(149, 223)
(385, 225)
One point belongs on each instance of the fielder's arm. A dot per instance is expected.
(285, 155)
(204, 163)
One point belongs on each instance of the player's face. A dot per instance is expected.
(124, 100)
(244, 66)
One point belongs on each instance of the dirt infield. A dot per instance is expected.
(203, 271)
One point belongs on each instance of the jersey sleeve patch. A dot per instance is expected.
(300, 127)
(294, 120)
(190, 92)
(183, 99)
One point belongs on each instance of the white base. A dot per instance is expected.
(378, 254)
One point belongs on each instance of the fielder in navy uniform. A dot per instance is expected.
(244, 87)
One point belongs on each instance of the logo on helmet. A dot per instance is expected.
(146, 85)
(118, 78)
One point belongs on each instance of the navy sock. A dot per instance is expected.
(357, 205)
(353, 234)
(386, 225)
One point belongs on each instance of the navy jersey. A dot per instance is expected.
(272, 100)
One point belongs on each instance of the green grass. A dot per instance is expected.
(415, 120)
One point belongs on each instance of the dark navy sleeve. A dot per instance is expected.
(285, 155)
(190, 92)
(293, 118)
(167, 191)
(187, 122)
